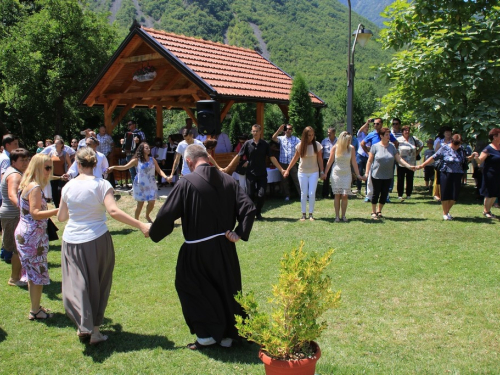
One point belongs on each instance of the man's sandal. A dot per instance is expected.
(374, 216)
(379, 215)
(197, 346)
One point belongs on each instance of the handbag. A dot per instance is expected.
(418, 157)
(52, 230)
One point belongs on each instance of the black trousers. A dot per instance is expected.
(405, 173)
(56, 186)
(326, 182)
(380, 189)
(256, 190)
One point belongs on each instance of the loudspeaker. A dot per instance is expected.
(208, 117)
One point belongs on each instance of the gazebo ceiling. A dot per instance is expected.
(188, 70)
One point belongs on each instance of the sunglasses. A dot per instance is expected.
(396, 123)
(48, 168)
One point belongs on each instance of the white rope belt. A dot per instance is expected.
(206, 238)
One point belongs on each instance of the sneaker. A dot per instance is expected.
(2, 253)
(408, 197)
(446, 217)
(367, 199)
(400, 199)
(451, 217)
(287, 199)
(387, 200)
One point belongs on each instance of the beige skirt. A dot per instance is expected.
(87, 272)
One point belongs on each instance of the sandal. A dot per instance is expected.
(489, 215)
(197, 346)
(374, 216)
(97, 338)
(35, 316)
(303, 218)
(83, 335)
(337, 219)
(344, 219)
(311, 217)
(379, 215)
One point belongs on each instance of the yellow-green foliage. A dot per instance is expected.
(303, 293)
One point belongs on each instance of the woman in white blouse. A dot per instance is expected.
(87, 255)
(409, 147)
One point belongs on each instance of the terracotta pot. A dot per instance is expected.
(299, 367)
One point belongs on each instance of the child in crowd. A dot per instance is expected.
(429, 169)
(40, 147)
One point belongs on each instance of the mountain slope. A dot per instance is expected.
(300, 36)
(370, 9)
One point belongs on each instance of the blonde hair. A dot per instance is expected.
(86, 157)
(343, 143)
(34, 172)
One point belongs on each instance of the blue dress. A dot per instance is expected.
(145, 188)
(490, 187)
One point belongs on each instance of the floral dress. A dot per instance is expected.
(145, 188)
(32, 241)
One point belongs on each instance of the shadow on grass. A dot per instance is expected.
(3, 335)
(121, 231)
(53, 290)
(123, 342)
(55, 247)
(240, 352)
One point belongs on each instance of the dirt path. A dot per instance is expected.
(115, 7)
(262, 43)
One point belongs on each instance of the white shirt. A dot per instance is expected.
(87, 213)
(99, 169)
(180, 150)
(361, 136)
(47, 150)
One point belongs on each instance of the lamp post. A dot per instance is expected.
(361, 35)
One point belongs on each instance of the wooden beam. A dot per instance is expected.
(226, 109)
(191, 115)
(108, 120)
(284, 110)
(141, 58)
(104, 83)
(260, 116)
(155, 102)
(120, 117)
(159, 121)
(111, 107)
(149, 94)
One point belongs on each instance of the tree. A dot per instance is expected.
(48, 56)
(446, 69)
(300, 109)
(364, 104)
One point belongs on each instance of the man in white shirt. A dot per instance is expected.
(328, 144)
(187, 134)
(288, 143)
(101, 168)
(47, 150)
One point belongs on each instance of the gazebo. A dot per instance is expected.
(187, 70)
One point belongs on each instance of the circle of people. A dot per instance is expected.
(82, 195)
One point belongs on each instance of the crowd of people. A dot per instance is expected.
(216, 210)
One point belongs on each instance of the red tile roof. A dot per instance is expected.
(230, 71)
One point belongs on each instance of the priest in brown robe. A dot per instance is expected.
(208, 275)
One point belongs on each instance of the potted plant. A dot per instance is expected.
(287, 334)
(146, 73)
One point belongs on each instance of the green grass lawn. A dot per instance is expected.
(419, 295)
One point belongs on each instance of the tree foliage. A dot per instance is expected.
(446, 69)
(300, 109)
(364, 105)
(49, 54)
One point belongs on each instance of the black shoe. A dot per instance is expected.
(259, 217)
(7, 257)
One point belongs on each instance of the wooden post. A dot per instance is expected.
(159, 121)
(260, 116)
(108, 119)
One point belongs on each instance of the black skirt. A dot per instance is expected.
(451, 184)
